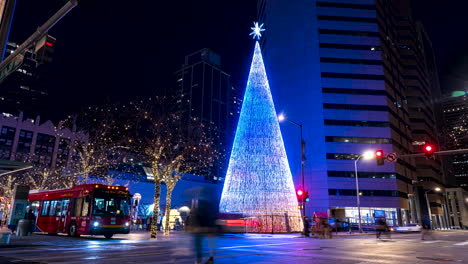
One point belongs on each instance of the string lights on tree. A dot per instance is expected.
(259, 181)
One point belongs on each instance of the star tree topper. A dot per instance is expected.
(256, 31)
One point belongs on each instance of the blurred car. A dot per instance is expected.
(408, 228)
(235, 223)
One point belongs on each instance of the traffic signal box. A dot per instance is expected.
(379, 157)
(299, 194)
(302, 194)
(429, 150)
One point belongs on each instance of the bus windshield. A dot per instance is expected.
(111, 207)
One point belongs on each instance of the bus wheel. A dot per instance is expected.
(72, 230)
(108, 236)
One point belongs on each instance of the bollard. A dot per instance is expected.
(6, 238)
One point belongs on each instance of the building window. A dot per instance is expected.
(353, 91)
(352, 76)
(348, 46)
(346, 5)
(351, 61)
(367, 140)
(356, 123)
(381, 193)
(362, 174)
(44, 148)
(348, 19)
(348, 33)
(7, 135)
(356, 107)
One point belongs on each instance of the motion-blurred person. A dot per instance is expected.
(202, 222)
(381, 227)
(306, 227)
(426, 232)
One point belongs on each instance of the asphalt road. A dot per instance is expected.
(442, 247)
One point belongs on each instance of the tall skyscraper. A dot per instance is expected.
(424, 105)
(336, 66)
(456, 118)
(206, 94)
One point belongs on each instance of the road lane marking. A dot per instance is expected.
(461, 244)
(261, 245)
(143, 254)
(432, 241)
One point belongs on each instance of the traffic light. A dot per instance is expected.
(429, 150)
(300, 194)
(379, 157)
(306, 197)
(45, 48)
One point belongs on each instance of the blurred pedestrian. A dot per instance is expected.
(327, 230)
(306, 227)
(337, 225)
(426, 232)
(202, 223)
(381, 228)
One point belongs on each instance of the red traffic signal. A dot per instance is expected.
(300, 195)
(429, 150)
(379, 157)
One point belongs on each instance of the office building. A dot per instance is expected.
(207, 94)
(336, 67)
(456, 118)
(426, 121)
(34, 141)
(457, 203)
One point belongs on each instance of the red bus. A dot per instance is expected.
(88, 209)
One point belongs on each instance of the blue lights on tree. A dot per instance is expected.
(258, 182)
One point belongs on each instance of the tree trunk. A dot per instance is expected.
(157, 199)
(168, 209)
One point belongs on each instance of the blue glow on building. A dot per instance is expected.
(258, 181)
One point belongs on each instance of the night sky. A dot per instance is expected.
(120, 50)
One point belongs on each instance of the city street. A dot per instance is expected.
(446, 247)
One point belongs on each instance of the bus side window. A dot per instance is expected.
(45, 208)
(58, 208)
(53, 207)
(78, 206)
(85, 211)
(65, 204)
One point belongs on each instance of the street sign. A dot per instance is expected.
(391, 157)
(11, 66)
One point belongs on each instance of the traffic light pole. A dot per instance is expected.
(441, 153)
(358, 199)
(39, 32)
(302, 172)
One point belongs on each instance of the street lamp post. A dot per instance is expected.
(281, 117)
(367, 155)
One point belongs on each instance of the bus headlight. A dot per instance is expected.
(96, 224)
(127, 224)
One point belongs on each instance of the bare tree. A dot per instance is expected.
(99, 143)
(172, 146)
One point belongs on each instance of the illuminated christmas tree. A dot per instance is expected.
(258, 181)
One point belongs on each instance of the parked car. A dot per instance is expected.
(408, 228)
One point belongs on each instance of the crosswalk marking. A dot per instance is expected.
(431, 241)
(461, 244)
